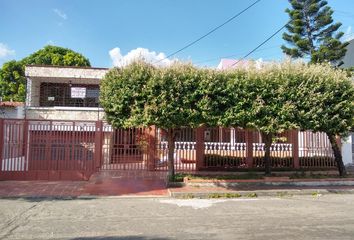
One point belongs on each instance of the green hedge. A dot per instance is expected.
(232, 162)
(215, 160)
(317, 162)
(276, 162)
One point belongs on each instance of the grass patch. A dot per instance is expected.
(284, 194)
(179, 177)
(224, 195)
(188, 196)
(251, 195)
(250, 175)
(314, 175)
(253, 176)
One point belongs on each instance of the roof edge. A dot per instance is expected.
(57, 66)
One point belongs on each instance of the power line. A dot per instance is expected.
(233, 55)
(261, 44)
(210, 32)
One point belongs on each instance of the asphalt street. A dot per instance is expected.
(296, 217)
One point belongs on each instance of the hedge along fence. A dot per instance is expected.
(218, 162)
(271, 100)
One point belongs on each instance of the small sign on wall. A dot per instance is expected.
(78, 92)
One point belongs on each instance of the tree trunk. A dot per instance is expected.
(171, 151)
(267, 139)
(309, 30)
(337, 155)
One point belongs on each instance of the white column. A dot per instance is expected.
(28, 92)
(347, 153)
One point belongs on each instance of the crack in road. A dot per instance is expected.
(19, 220)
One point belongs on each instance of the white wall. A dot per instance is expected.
(65, 113)
(12, 112)
(347, 150)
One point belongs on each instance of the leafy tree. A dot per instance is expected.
(12, 82)
(261, 103)
(173, 97)
(140, 95)
(53, 55)
(249, 98)
(312, 33)
(12, 73)
(220, 97)
(123, 94)
(324, 99)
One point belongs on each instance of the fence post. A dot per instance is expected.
(1, 142)
(98, 145)
(199, 148)
(249, 147)
(25, 144)
(295, 142)
(48, 147)
(151, 147)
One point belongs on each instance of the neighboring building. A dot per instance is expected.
(12, 110)
(226, 63)
(348, 144)
(63, 93)
(348, 60)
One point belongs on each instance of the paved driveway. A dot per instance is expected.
(299, 217)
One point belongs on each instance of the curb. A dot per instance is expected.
(83, 197)
(258, 193)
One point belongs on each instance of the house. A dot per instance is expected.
(226, 63)
(348, 143)
(66, 101)
(63, 93)
(12, 110)
(348, 60)
(64, 136)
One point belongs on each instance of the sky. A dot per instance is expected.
(112, 32)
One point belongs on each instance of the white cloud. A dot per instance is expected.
(148, 56)
(5, 51)
(60, 13)
(349, 35)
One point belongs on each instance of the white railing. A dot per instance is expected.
(277, 147)
(226, 146)
(61, 126)
(178, 145)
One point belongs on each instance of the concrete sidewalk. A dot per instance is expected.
(119, 184)
(97, 187)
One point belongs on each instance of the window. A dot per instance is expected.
(69, 95)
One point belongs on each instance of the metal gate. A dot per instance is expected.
(123, 149)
